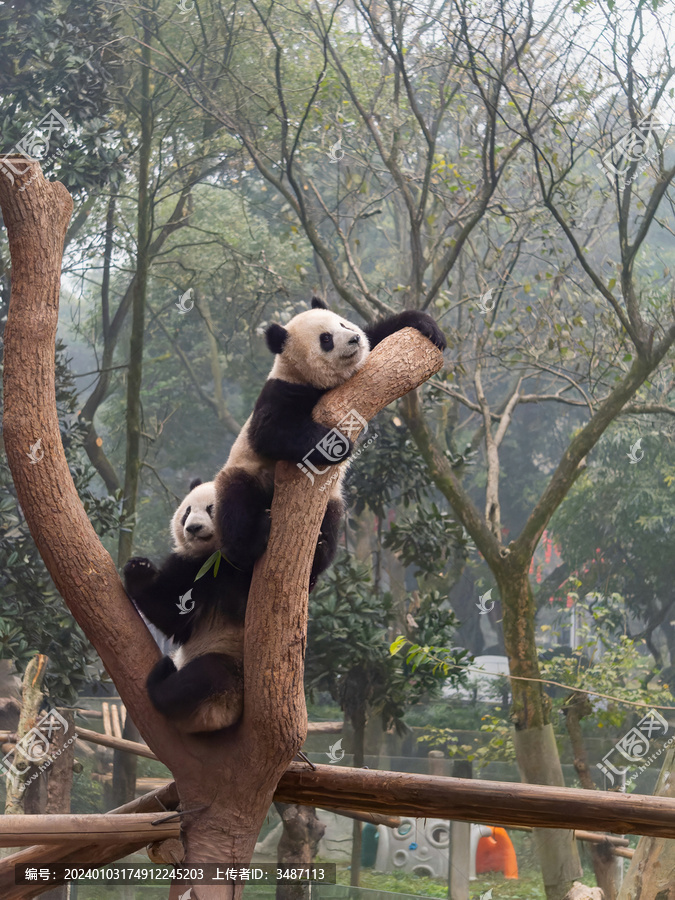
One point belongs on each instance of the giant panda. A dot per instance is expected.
(316, 351)
(201, 687)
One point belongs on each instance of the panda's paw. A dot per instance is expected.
(138, 571)
(423, 323)
(336, 454)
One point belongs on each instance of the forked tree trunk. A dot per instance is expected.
(651, 874)
(606, 864)
(533, 737)
(226, 782)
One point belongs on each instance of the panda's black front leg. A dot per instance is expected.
(243, 519)
(411, 318)
(151, 595)
(330, 449)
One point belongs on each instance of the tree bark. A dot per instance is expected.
(59, 785)
(125, 766)
(536, 750)
(298, 845)
(606, 865)
(651, 874)
(31, 701)
(226, 782)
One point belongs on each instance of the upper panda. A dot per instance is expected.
(201, 688)
(316, 351)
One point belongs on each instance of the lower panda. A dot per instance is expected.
(200, 687)
(316, 351)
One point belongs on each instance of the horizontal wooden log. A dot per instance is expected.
(117, 743)
(73, 853)
(471, 800)
(369, 817)
(107, 740)
(20, 831)
(593, 837)
(88, 713)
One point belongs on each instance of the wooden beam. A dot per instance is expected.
(72, 853)
(509, 804)
(593, 837)
(116, 743)
(21, 831)
(490, 802)
(369, 817)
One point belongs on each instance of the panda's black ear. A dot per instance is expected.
(195, 483)
(276, 335)
(317, 303)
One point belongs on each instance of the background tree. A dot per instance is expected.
(505, 95)
(348, 655)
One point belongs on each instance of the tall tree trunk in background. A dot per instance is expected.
(606, 864)
(135, 371)
(651, 874)
(298, 845)
(59, 788)
(125, 766)
(31, 700)
(533, 736)
(356, 707)
(93, 445)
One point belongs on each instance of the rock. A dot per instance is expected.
(579, 891)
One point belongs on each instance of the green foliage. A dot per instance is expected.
(347, 651)
(34, 618)
(56, 54)
(427, 539)
(615, 523)
(87, 794)
(528, 886)
(390, 472)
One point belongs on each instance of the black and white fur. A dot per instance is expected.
(201, 686)
(316, 351)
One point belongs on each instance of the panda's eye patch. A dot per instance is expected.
(209, 509)
(185, 515)
(326, 340)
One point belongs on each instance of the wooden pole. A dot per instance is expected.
(460, 845)
(71, 853)
(369, 817)
(15, 800)
(106, 740)
(21, 831)
(490, 802)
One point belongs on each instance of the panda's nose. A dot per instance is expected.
(355, 340)
(194, 529)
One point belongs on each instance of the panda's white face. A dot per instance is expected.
(192, 524)
(321, 349)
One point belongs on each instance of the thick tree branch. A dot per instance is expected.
(571, 464)
(445, 480)
(281, 579)
(36, 222)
